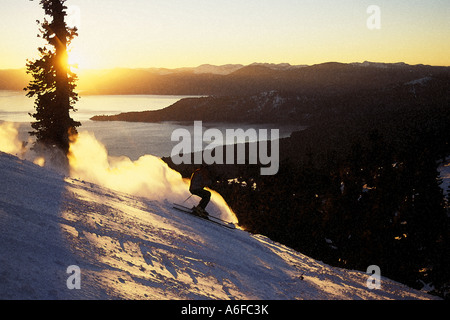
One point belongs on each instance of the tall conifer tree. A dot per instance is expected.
(53, 82)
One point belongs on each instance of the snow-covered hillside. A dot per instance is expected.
(132, 247)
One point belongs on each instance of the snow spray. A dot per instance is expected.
(9, 141)
(148, 177)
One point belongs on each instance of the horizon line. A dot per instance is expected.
(245, 65)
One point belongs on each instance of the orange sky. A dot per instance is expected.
(179, 33)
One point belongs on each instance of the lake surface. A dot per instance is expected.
(15, 106)
(122, 138)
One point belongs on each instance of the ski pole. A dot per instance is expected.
(187, 198)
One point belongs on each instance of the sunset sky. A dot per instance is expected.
(188, 33)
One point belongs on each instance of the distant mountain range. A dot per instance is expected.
(232, 80)
(203, 80)
(104, 80)
(284, 93)
(13, 79)
(236, 79)
(220, 70)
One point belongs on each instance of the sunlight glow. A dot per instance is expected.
(76, 60)
(80, 58)
(73, 61)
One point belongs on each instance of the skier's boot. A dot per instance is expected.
(200, 212)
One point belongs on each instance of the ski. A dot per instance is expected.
(217, 221)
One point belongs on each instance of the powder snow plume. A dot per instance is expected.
(9, 141)
(148, 177)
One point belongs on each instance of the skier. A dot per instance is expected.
(199, 180)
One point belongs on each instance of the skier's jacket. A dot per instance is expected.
(199, 180)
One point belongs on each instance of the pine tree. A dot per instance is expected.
(53, 82)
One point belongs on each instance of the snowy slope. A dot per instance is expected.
(131, 247)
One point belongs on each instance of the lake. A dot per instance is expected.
(15, 106)
(121, 138)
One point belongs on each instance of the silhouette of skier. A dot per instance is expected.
(199, 180)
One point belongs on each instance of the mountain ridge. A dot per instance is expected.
(230, 79)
